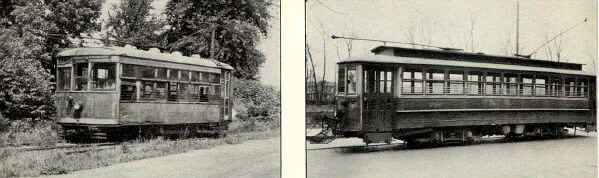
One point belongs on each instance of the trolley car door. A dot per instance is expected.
(378, 103)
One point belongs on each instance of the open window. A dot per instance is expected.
(81, 76)
(104, 76)
(64, 79)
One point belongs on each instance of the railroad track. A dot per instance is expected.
(403, 146)
(75, 147)
(84, 147)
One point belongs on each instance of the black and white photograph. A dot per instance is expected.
(457, 88)
(140, 88)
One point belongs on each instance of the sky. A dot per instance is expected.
(269, 45)
(487, 26)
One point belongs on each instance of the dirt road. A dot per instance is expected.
(257, 158)
(570, 157)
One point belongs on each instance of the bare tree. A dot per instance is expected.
(309, 58)
(471, 30)
(508, 48)
(554, 50)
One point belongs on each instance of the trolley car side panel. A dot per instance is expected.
(169, 113)
(96, 108)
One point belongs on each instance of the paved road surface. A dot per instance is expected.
(258, 158)
(571, 157)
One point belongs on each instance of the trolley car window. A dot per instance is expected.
(128, 90)
(412, 82)
(435, 81)
(217, 91)
(526, 86)
(128, 70)
(184, 75)
(366, 81)
(204, 77)
(103, 76)
(556, 86)
(456, 82)
(388, 82)
(195, 76)
(381, 78)
(81, 76)
(64, 79)
(382, 81)
(474, 84)
(541, 86)
(511, 84)
(203, 93)
(162, 73)
(341, 79)
(147, 72)
(173, 74)
(581, 88)
(161, 90)
(493, 84)
(172, 91)
(182, 92)
(194, 92)
(570, 87)
(214, 78)
(351, 80)
(146, 90)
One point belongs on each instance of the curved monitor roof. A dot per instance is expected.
(131, 52)
(385, 59)
(457, 55)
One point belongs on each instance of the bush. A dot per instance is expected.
(25, 90)
(29, 132)
(256, 105)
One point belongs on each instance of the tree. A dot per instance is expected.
(24, 88)
(232, 27)
(53, 23)
(31, 34)
(130, 22)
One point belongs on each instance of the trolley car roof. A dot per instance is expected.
(130, 52)
(463, 59)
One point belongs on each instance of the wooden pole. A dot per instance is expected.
(212, 38)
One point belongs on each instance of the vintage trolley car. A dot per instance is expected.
(438, 96)
(121, 91)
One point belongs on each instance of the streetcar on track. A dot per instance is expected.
(441, 96)
(120, 92)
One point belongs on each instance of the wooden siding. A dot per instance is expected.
(169, 113)
(95, 105)
(403, 104)
(167, 64)
(446, 119)
(351, 120)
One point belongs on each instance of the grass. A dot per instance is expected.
(36, 163)
(26, 132)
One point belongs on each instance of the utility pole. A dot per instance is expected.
(517, 27)
(212, 38)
